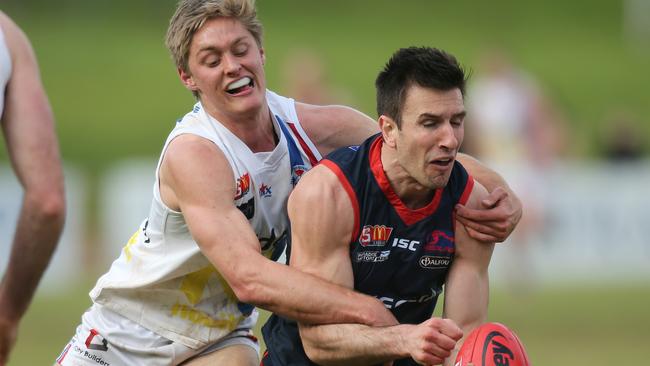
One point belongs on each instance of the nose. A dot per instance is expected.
(448, 138)
(231, 64)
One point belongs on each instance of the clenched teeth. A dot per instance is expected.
(239, 83)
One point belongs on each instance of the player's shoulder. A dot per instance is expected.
(470, 192)
(318, 184)
(192, 154)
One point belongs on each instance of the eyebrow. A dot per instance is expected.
(212, 48)
(437, 116)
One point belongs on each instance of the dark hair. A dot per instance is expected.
(425, 66)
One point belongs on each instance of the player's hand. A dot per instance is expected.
(8, 334)
(497, 219)
(433, 340)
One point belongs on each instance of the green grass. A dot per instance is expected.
(559, 326)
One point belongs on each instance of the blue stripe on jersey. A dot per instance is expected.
(298, 165)
(294, 153)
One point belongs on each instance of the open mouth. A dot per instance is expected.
(442, 162)
(239, 86)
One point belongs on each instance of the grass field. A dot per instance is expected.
(564, 326)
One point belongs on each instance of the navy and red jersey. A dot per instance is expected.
(399, 255)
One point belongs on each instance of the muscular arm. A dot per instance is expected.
(28, 126)
(331, 127)
(334, 126)
(197, 179)
(320, 245)
(467, 285)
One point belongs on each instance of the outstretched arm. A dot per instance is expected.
(467, 285)
(28, 126)
(320, 245)
(197, 179)
(497, 215)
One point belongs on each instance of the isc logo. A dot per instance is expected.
(406, 244)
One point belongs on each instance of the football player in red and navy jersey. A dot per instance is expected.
(386, 226)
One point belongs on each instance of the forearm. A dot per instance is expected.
(38, 230)
(466, 301)
(312, 300)
(353, 344)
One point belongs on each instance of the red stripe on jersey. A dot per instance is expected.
(348, 188)
(92, 335)
(468, 190)
(407, 215)
(303, 144)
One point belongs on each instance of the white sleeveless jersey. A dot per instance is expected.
(5, 69)
(163, 281)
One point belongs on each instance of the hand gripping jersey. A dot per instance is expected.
(5, 69)
(399, 255)
(163, 281)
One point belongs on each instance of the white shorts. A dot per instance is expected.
(105, 338)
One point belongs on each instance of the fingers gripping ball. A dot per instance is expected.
(492, 344)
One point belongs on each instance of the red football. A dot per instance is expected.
(492, 344)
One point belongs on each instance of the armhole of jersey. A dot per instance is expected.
(349, 190)
(302, 136)
(156, 190)
(469, 186)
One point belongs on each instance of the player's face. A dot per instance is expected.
(227, 69)
(430, 135)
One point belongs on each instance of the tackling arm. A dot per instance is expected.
(467, 285)
(497, 215)
(196, 177)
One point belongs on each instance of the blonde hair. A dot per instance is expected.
(190, 15)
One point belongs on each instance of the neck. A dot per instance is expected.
(254, 129)
(413, 194)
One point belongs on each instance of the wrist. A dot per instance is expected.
(402, 345)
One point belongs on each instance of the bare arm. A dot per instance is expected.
(497, 215)
(334, 126)
(467, 285)
(28, 126)
(320, 245)
(196, 177)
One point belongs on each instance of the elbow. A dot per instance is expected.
(246, 283)
(53, 207)
(316, 354)
(48, 206)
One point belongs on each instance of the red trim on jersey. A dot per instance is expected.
(407, 215)
(92, 335)
(348, 188)
(303, 144)
(469, 186)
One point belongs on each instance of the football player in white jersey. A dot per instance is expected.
(28, 126)
(183, 288)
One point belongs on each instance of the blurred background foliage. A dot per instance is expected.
(116, 95)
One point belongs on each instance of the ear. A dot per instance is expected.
(263, 56)
(187, 80)
(388, 129)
